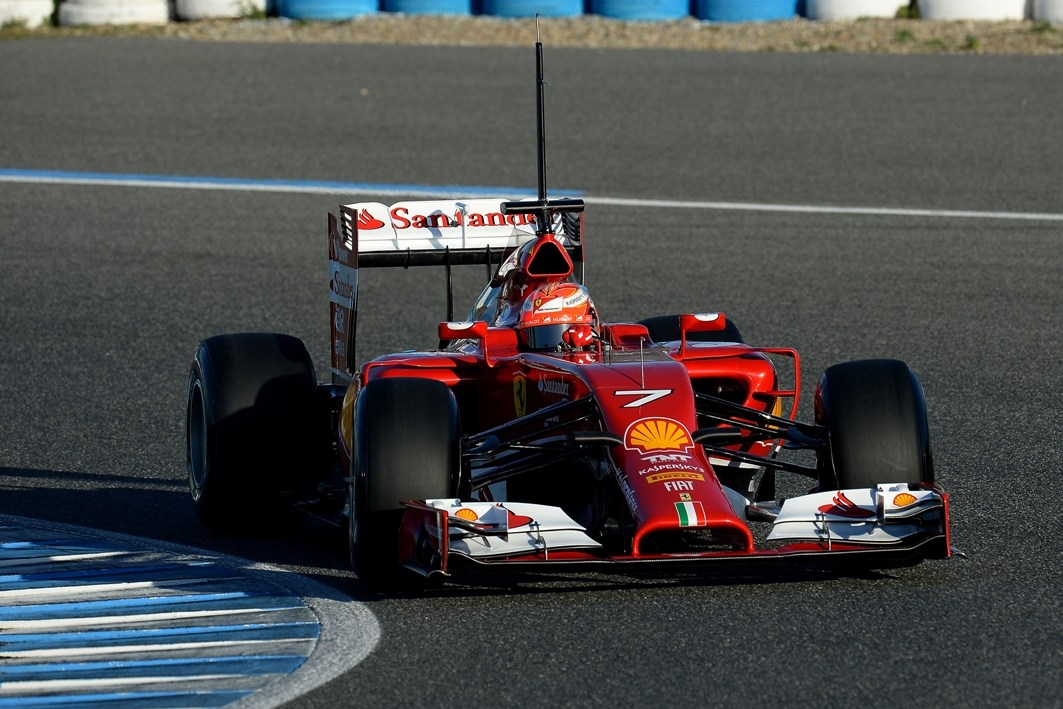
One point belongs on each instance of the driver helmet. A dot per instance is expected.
(556, 316)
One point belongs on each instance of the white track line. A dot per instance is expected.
(821, 209)
(351, 189)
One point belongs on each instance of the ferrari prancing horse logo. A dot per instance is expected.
(520, 395)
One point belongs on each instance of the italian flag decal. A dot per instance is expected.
(691, 514)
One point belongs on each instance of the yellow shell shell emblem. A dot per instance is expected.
(657, 435)
(904, 499)
(467, 514)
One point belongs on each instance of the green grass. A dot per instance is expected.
(249, 11)
(908, 12)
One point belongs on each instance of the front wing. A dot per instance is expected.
(882, 527)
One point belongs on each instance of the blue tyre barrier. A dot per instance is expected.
(529, 8)
(429, 7)
(325, 9)
(641, 9)
(744, 10)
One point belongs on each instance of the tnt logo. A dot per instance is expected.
(667, 458)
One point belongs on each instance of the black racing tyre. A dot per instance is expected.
(406, 447)
(875, 415)
(249, 427)
(665, 328)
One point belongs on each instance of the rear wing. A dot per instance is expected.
(430, 233)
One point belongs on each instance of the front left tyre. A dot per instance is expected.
(249, 428)
(875, 415)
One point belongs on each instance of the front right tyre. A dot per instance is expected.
(406, 447)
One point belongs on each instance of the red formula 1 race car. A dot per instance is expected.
(537, 437)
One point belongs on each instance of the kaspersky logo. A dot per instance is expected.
(657, 434)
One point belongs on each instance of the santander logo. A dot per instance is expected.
(844, 507)
(402, 218)
(367, 221)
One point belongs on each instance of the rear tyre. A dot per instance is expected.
(249, 428)
(665, 328)
(875, 414)
(406, 447)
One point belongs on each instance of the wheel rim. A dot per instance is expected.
(197, 440)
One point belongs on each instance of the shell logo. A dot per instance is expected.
(655, 435)
(904, 499)
(467, 514)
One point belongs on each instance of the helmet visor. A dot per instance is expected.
(543, 338)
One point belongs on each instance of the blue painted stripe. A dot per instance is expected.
(69, 545)
(115, 700)
(233, 600)
(172, 667)
(160, 580)
(267, 185)
(140, 569)
(138, 664)
(299, 630)
(25, 545)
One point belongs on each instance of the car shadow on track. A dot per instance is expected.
(497, 584)
(158, 509)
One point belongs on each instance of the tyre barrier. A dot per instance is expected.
(850, 9)
(530, 8)
(33, 13)
(114, 12)
(641, 9)
(207, 9)
(745, 10)
(325, 9)
(28, 13)
(1048, 10)
(972, 9)
(428, 7)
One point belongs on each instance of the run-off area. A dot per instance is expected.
(89, 621)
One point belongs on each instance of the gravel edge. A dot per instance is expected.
(864, 36)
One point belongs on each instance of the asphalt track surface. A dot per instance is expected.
(106, 290)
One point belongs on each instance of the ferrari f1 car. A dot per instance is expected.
(537, 437)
